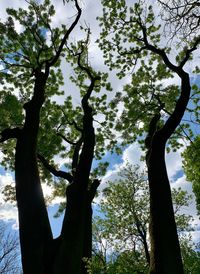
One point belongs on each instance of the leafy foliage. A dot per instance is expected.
(121, 230)
(191, 256)
(128, 35)
(22, 54)
(181, 18)
(191, 165)
(132, 43)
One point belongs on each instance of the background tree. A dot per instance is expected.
(9, 251)
(182, 18)
(190, 253)
(122, 226)
(131, 39)
(192, 168)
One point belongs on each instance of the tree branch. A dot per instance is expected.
(9, 133)
(174, 120)
(158, 51)
(65, 139)
(55, 58)
(189, 51)
(54, 171)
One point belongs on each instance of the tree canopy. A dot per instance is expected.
(54, 104)
(192, 168)
(121, 229)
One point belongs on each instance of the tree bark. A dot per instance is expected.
(146, 250)
(76, 231)
(165, 255)
(69, 256)
(38, 248)
(34, 228)
(87, 242)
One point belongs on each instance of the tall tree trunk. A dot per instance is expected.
(69, 256)
(34, 228)
(87, 244)
(77, 224)
(165, 256)
(165, 250)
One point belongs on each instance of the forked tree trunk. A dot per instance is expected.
(40, 253)
(76, 231)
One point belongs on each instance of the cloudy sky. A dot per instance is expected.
(131, 154)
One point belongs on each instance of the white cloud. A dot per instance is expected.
(187, 186)
(8, 212)
(133, 155)
(173, 163)
(47, 192)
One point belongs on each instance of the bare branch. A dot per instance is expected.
(182, 17)
(65, 139)
(56, 57)
(158, 51)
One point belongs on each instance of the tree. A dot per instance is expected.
(131, 39)
(126, 210)
(190, 255)
(181, 17)
(123, 225)
(35, 128)
(192, 168)
(9, 251)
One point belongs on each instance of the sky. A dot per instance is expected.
(132, 153)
